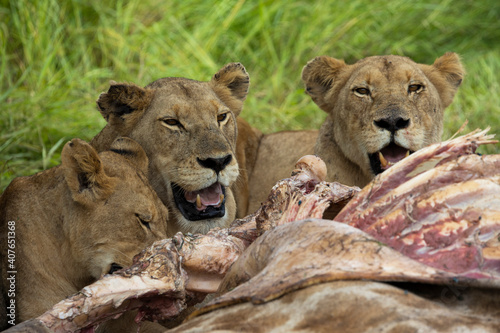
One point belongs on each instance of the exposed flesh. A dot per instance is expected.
(312, 251)
(303, 253)
(440, 206)
(161, 276)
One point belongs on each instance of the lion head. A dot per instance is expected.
(188, 130)
(380, 109)
(73, 223)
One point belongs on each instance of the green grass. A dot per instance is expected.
(56, 57)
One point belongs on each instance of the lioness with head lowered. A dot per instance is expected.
(188, 130)
(379, 110)
(61, 229)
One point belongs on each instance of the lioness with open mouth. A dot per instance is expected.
(188, 130)
(379, 110)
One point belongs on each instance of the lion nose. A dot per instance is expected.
(392, 124)
(216, 164)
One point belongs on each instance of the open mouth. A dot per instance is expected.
(387, 157)
(203, 204)
(114, 267)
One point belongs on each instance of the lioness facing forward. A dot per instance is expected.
(379, 110)
(188, 130)
(62, 228)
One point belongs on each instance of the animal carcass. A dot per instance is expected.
(389, 262)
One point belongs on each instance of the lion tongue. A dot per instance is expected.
(391, 155)
(210, 196)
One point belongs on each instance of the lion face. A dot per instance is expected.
(382, 108)
(188, 130)
(114, 211)
(87, 217)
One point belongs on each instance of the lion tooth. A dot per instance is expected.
(221, 197)
(407, 153)
(383, 161)
(198, 201)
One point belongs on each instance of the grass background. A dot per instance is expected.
(56, 57)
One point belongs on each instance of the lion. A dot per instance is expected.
(379, 110)
(189, 131)
(63, 228)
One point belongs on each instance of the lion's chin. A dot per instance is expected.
(205, 204)
(199, 227)
(387, 157)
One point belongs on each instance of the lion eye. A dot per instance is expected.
(414, 87)
(362, 91)
(145, 221)
(221, 117)
(171, 122)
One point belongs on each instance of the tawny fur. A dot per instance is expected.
(147, 115)
(348, 134)
(72, 222)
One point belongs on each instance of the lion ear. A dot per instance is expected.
(123, 105)
(446, 74)
(132, 151)
(231, 84)
(319, 75)
(84, 173)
